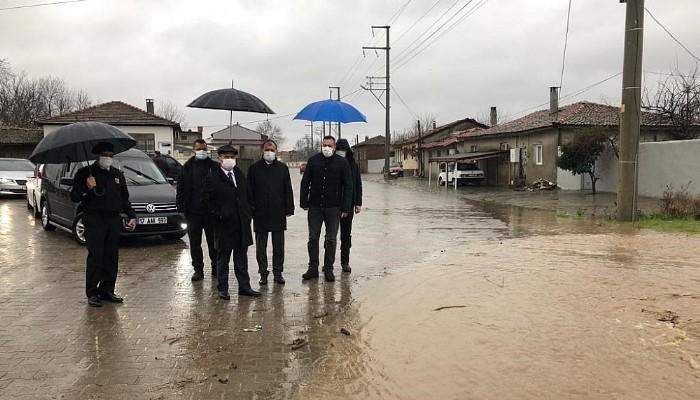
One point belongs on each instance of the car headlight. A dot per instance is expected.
(183, 226)
(6, 180)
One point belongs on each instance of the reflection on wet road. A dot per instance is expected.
(533, 306)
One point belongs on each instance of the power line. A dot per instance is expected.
(417, 21)
(670, 34)
(413, 114)
(41, 4)
(566, 42)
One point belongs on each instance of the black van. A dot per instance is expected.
(150, 193)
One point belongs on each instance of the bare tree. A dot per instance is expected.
(171, 112)
(303, 148)
(272, 131)
(24, 101)
(677, 100)
(426, 124)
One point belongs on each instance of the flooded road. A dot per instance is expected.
(449, 298)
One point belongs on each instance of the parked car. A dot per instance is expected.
(169, 166)
(302, 168)
(34, 191)
(467, 173)
(395, 169)
(14, 173)
(151, 195)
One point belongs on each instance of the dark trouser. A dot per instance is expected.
(197, 222)
(102, 237)
(330, 217)
(277, 252)
(346, 238)
(240, 266)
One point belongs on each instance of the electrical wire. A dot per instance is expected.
(413, 114)
(566, 42)
(670, 34)
(41, 4)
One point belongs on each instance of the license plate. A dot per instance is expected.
(152, 220)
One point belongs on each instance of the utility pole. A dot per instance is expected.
(387, 106)
(630, 111)
(312, 133)
(331, 96)
(420, 152)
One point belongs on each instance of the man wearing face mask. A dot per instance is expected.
(273, 201)
(343, 149)
(326, 192)
(225, 195)
(190, 206)
(102, 192)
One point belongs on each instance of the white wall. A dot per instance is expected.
(375, 166)
(163, 134)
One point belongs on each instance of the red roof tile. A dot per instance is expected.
(113, 113)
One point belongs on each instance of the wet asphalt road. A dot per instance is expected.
(175, 339)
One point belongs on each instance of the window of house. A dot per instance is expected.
(537, 149)
(474, 148)
(505, 146)
(145, 141)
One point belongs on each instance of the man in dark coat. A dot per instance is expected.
(101, 190)
(273, 201)
(326, 192)
(343, 149)
(190, 206)
(225, 194)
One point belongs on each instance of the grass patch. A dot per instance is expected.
(668, 223)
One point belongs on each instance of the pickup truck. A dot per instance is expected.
(467, 173)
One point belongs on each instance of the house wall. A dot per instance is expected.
(407, 160)
(163, 135)
(363, 154)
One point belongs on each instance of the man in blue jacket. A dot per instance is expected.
(326, 193)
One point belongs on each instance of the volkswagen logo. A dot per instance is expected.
(151, 208)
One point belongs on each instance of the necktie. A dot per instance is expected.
(230, 177)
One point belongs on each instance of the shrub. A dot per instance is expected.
(680, 203)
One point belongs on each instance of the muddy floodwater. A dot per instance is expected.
(450, 297)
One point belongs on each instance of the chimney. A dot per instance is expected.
(200, 131)
(553, 100)
(434, 125)
(366, 138)
(149, 106)
(494, 116)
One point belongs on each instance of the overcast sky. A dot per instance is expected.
(503, 53)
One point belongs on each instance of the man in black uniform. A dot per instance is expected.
(326, 192)
(343, 149)
(273, 201)
(103, 193)
(190, 206)
(225, 195)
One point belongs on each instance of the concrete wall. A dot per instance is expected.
(375, 166)
(672, 163)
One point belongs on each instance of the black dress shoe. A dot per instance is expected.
(310, 274)
(249, 292)
(224, 296)
(328, 274)
(94, 301)
(279, 279)
(346, 267)
(263, 280)
(197, 276)
(111, 297)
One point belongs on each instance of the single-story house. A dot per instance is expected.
(369, 154)
(18, 142)
(247, 141)
(150, 131)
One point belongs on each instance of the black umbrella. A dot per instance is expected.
(232, 100)
(74, 142)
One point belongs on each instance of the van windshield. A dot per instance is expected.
(139, 171)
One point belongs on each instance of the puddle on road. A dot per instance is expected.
(572, 315)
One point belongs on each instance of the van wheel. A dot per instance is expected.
(441, 182)
(78, 230)
(174, 236)
(45, 223)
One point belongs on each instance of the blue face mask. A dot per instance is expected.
(341, 153)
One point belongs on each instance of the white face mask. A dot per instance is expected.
(228, 163)
(341, 153)
(105, 162)
(269, 156)
(327, 151)
(201, 154)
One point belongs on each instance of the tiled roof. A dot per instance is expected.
(11, 135)
(578, 114)
(377, 140)
(236, 132)
(113, 113)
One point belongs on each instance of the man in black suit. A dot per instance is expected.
(273, 201)
(225, 194)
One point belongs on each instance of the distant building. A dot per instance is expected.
(369, 154)
(247, 141)
(18, 142)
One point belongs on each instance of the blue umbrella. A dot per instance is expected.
(331, 111)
